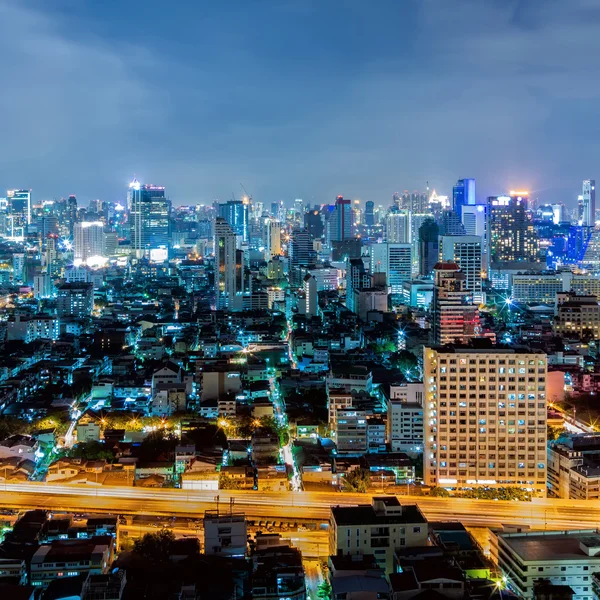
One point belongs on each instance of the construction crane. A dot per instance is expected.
(246, 192)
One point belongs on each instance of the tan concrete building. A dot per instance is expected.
(485, 417)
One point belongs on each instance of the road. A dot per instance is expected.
(298, 506)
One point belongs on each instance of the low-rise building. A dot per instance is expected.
(563, 558)
(70, 558)
(225, 533)
(378, 529)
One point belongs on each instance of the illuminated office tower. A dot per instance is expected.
(19, 212)
(225, 265)
(356, 278)
(463, 194)
(310, 294)
(454, 316)
(149, 211)
(301, 253)
(341, 220)
(235, 212)
(512, 237)
(369, 213)
(466, 252)
(272, 233)
(395, 260)
(589, 203)
(485, 417)
(397, 227)
(88, 240)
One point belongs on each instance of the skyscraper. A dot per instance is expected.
(356, 278)
(272, 233)
(19, 212)
(369, 213)
(463, 194)
(395, 260)
(428, 246)
(301, 253)
(397, 227)
(225, 265)
(341, 220)
(88, 240)
(149, 211)
(235, 212)
(454, 316)
(485, 417)
(310, 295)
(466, 252)
(589, 203)
(512, 237)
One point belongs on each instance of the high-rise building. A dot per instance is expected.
(397, 227)
(466, 252)
(485, 417)
(272, 238)
(19, 212)
(88, 240)
(589, 203)
(512, 237)
(301, 253)
(369, 213)
(75, 300)
(450, 223)
(428, 246)
(313, 221)
(395, 260)
(149, 211)
(463, 194)
(454, 316)
(225, 265)
(235, 212)
(356, 278)
(310, 295)
(341, 220)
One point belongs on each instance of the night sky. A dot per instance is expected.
(299, 98)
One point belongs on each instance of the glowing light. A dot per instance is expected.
(223, 423)
(519, 193)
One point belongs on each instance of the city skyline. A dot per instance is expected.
(105, 100)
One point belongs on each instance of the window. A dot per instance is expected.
(416, 530)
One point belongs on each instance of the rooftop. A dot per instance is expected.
(365, 514)
(552, 546)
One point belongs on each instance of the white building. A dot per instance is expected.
(30, 328)
(397, 227)
(378, 529)
(88, 240)
(485, 417)
(311, 308)
(224, 533)
(466, 252)
(395, 260)
(404, 426)
(566, 558)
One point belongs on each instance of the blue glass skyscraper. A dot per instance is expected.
(463, 193)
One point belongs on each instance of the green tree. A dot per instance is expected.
(324, 591)
(439, 492)
(228, 483)
(357, 480)
(154, 548)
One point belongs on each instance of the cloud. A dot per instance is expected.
(299, 101)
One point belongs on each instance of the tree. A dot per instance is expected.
(439, 492)
(155, 548)
(91, 451)
(324, 591)
(357, 480)
(228, 483)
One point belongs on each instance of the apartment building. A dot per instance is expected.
(69, 558)
(350, 432)
(566, 558)
(377, 529)
(578, 316)
(485, 417)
